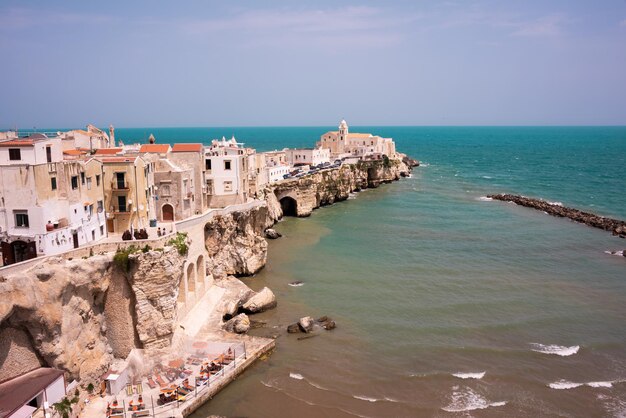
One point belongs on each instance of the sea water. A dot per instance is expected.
(447, 303)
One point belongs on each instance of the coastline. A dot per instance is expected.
(243, 252)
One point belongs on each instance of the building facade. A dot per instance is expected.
(342, 143)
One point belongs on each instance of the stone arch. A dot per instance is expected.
(182, 290)
(200, 269)
(191, 278)
(289, 206)
(167, 213)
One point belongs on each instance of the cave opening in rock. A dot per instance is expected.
(289, 206)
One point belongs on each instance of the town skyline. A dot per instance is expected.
(280, 64)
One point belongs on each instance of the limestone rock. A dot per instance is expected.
(294, 328)
(261, 301)
(306, 324)
(271, 233)
(239, 324)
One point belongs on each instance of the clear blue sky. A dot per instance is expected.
(225, 63)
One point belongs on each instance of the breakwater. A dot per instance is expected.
(615, 226)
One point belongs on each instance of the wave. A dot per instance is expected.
(296, 284)
(365, 398)
(564, 384)
(618, 253)
(487, 177)
(478, 375)
(555, 203)
(296, 376)
(559, 350)
(468, 400)
(600, 384)
(484, 199)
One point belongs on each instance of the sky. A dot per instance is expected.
(312, 63)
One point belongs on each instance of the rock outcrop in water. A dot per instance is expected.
(617, 227)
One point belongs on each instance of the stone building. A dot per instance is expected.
(307, 156)
(191, 156)
(342, 143)
(226, 172)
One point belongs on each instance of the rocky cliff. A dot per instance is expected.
(76, 315)
(236, 244)
(300, 196)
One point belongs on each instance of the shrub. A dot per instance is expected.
(146, 248)
(121, 258)
(180, 242)
(90, 388)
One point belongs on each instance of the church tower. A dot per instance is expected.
(342, 137)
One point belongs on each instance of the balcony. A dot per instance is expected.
(121, 209)
(119, 185)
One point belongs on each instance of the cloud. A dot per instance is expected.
(353, 26)
(543, 26)
(23, 18)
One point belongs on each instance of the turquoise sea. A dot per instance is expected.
(447, 304)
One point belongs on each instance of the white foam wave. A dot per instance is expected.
(485, 199)
(296, 376)
(618, 253)
(478, 375)
(564, 384)
(391, 400)
(559, 350)
(365, 398)
(315, 385)
(555, 203)
(296, 284)
(468, 400)
(487, 177)
(600, 384)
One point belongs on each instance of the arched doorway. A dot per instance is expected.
(289, 206)
(167, 213)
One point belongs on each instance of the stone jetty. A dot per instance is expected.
(615, 226)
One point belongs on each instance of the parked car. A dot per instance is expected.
(286, 176)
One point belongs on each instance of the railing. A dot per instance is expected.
(119, 185)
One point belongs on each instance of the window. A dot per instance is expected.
(97, 180)
(101, 230)
(53, 183)
(100, 206)
(15, 154)
(21, 219)
(227, 165)
(88, 183)
(93, 235)
(74, 182)
(49, 154)
(207, 164)
(228, 186)
(82, 178)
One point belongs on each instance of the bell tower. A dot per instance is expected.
(342, 137)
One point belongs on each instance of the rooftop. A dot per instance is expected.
(155, 148)
(16, 392)
(108, 151)
(187, 147)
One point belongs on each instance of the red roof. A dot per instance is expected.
(187, 148)
(108, 151)
(17, 143)
(156, 148)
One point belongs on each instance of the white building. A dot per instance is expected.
(307, 156)
(342, 143)
(47, 205)
(226, 172)
(277, 173)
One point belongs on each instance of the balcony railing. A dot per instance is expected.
(119, 185)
